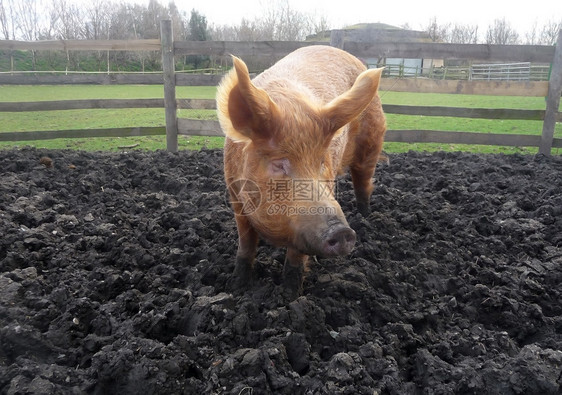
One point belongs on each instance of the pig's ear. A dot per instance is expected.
(245, 111)
(348, 106)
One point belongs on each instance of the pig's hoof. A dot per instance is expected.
(236, 283)
(364, 208)
(241, 280)
(292, 281)
(291, 292)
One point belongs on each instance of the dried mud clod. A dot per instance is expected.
(46, 161)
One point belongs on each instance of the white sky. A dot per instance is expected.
(520, 14)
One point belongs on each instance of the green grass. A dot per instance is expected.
(470, 101)
(92, 119)
(77, 92)
(149, 143)
(465, 124)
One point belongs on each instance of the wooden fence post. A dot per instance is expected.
(168, 71)
(552, 100)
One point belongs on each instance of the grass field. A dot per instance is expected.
(89, 119)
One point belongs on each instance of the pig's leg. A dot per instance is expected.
(247, 248)
(368, 144)
(363, 187)
(293, 272)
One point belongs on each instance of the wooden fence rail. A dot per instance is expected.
(82, 45)
(178, 126)
(106, 79)
(209, 104)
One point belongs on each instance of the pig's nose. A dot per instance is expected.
(339, 241)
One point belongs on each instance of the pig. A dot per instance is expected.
(290, 132)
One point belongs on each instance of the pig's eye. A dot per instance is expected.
(280, 167)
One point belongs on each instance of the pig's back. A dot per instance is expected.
(324, 71)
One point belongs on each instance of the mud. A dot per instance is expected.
(114, 273)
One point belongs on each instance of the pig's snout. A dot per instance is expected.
(339, 241)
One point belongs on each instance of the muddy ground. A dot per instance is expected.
(114, 269)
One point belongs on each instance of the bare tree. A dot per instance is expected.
(549, 32)
(97, 19)
(49, 29)
(69, 25)
(27, 21)
(279, 21)
(320, 27)
(222, 33)
(70, 20)
(27, 18)
(179, 21)
(4, 21)
(124, 22)
(291, 24)
(267, 24)
(250, 31)
(151, 17)
(501, 33)
(532, 36)
(7, 23)
(464, 34)
(97, 26)
(437, 32)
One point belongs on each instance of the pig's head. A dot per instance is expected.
(285, 134)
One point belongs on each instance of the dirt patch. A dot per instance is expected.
(114, 269)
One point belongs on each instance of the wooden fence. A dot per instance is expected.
(521, 71)
(170, 79)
